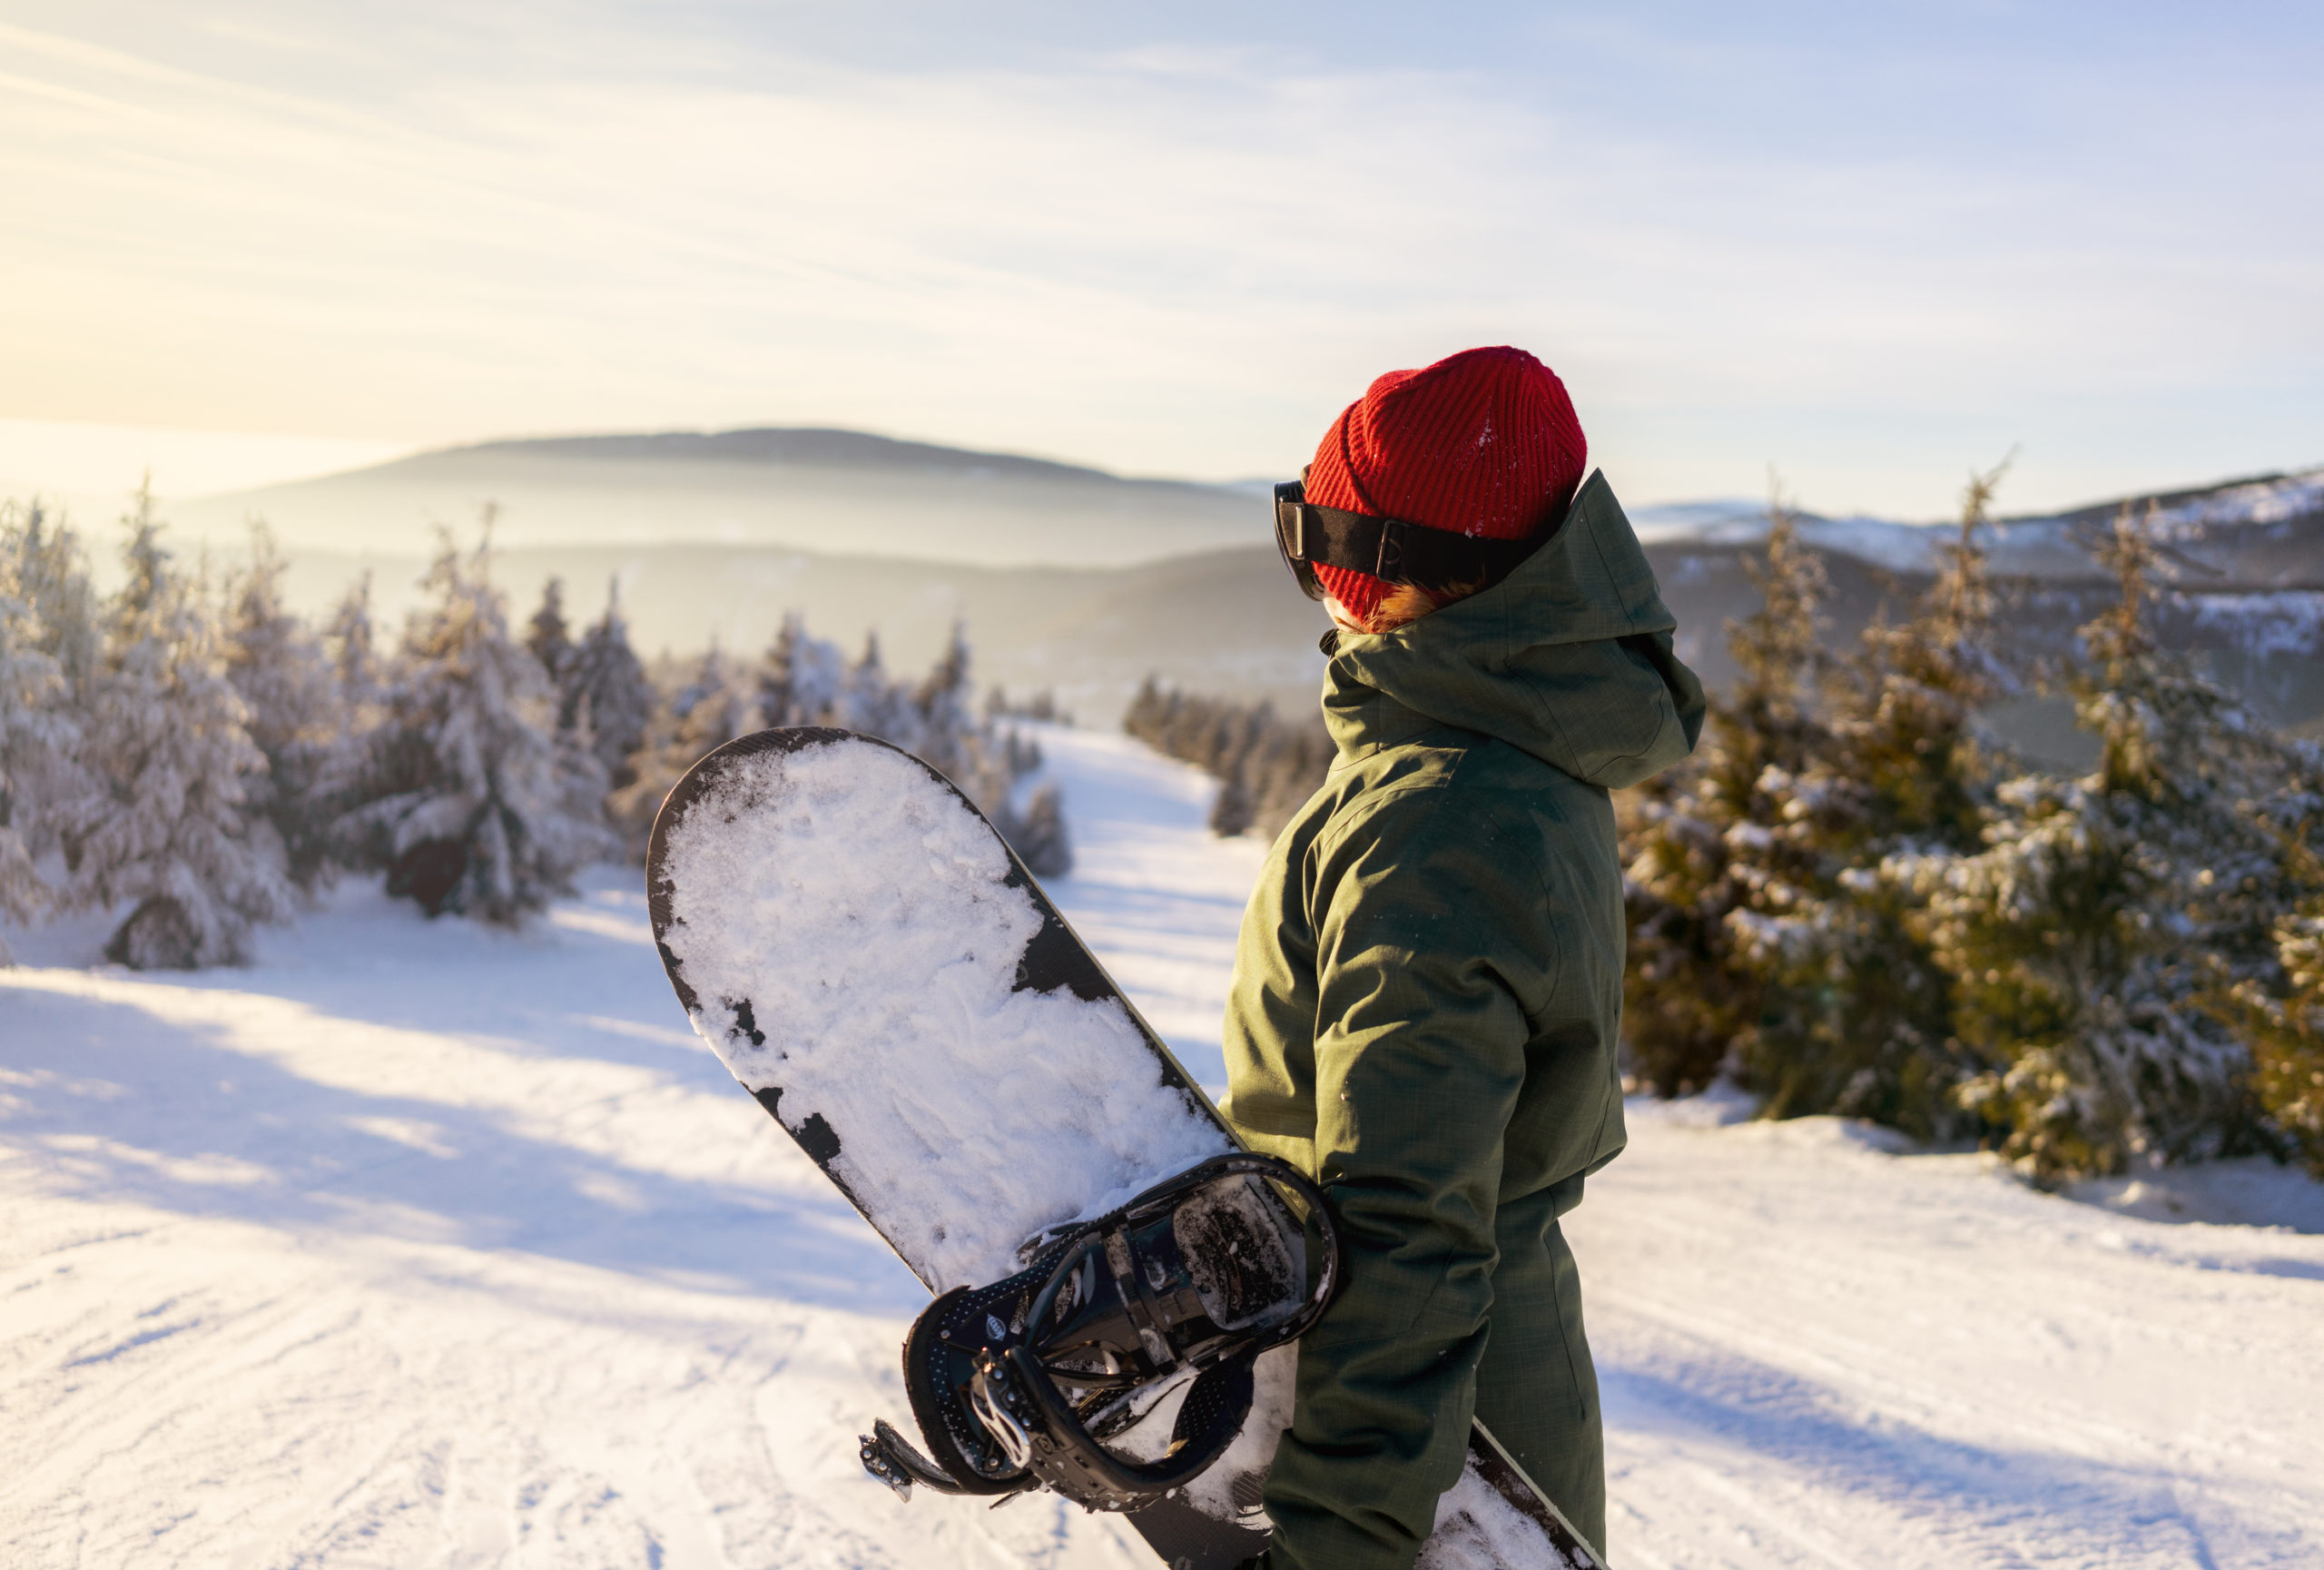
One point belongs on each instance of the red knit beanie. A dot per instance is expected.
(1483, 442)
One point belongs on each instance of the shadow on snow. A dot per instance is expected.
(209, 1130)
(1991, 1505)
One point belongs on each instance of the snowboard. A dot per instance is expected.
(873, 963)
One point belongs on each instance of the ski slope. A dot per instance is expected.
(419, 1245)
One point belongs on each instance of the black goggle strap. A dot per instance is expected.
(1391, 549)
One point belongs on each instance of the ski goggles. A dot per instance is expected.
(1309, 535)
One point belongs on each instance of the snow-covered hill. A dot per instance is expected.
(2262, 532)
(419, 1245)
(790, 488)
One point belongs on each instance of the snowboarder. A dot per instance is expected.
(1428, 986)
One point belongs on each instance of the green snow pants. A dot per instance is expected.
(1536, 1388)
(1526, 1373)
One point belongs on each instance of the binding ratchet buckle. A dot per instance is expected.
(1023, 1384)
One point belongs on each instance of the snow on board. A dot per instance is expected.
(867, 957)
(852, 933)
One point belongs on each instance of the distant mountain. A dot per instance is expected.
(2263, 532)
(1077, 601)
(839, 491)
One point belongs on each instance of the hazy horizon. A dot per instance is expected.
(91, 472)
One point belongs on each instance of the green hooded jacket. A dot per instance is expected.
(1426, 999)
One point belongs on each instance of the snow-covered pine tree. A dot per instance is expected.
(715, 705)
(777, 672)
(547, 637)
(38, 736)
(1721, 860)
(352, 646)
(989, 761)
(604, 695)
(801, 678)
(466, 797)
(1037, 833)
(946, 733)
(292, 701)
(2280, 1019)
(2084, 941)
(869, 704)
(164, 822)
(1023, 753)
(52, 576)
(1858, 1016)
(1234, 808)
(359, 681)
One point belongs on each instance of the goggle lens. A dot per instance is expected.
(1288, 498)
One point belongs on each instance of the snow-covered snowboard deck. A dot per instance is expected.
(873, 963)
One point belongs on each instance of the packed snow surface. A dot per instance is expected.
(862, 912)
(417, 1244)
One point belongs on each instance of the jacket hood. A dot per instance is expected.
(1568, 658)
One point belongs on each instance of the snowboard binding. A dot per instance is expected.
(1018, 1385)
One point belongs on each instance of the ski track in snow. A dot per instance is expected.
(421, 1245)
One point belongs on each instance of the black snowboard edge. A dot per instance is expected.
(1186, 1538)
(1501, 1474)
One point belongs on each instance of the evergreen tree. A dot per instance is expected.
(2085, 939)
(1037, 835)
(604, 695)
(1857, 1017)
(1022, 754)
(1723, 862)
(2280, 1019)
(53, 580)
(547, 637)
(1234, 808)
(945, 726)
(802, 678)
(354, 657)
(716, 705)
(165, 820)
(359, 679)
(291, 700)
(778, 699)
(869, 703)
(468, 798)
(38, 737)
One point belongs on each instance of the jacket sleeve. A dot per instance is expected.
(1428, 934)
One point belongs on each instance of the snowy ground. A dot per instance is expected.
(418, 1244)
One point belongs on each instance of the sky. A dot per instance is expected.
(1870, 248)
